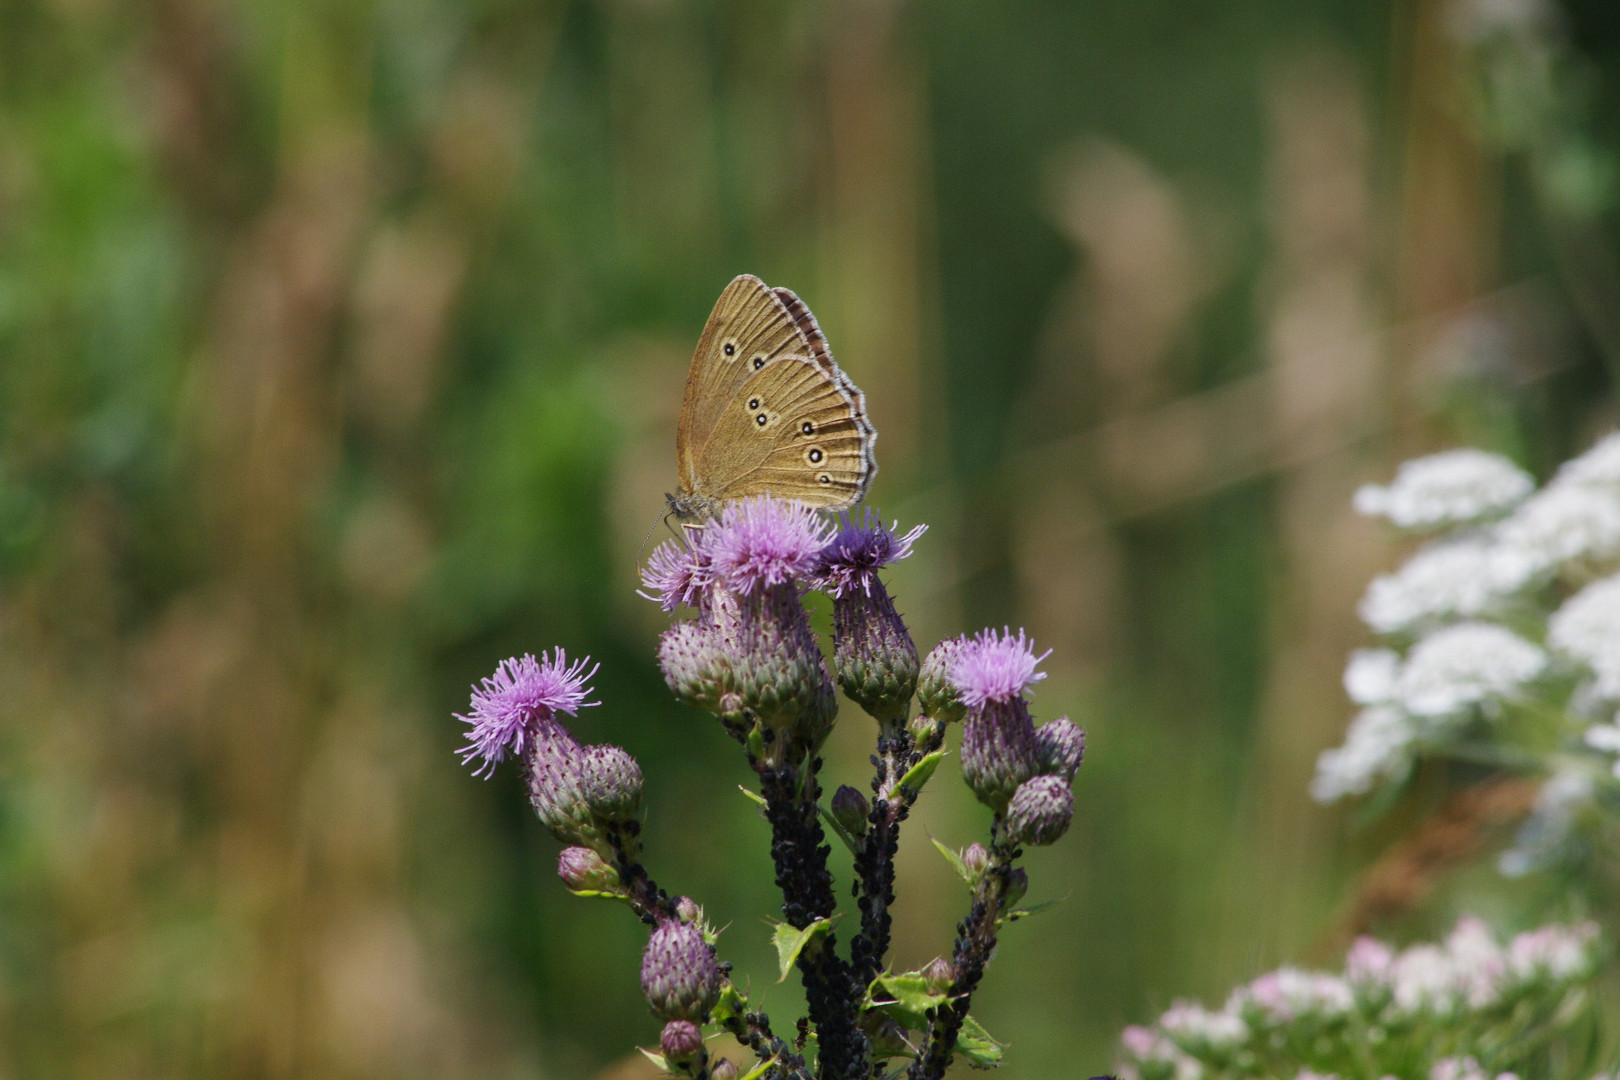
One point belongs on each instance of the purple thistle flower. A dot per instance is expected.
(760, 542)
(511, 705)
(860, 548)
(679, 573)
(996, 667)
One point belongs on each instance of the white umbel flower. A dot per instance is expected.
(1465, 666)
(1369, 677)
(1459, 579)
(1560, 525)
(1587, 629)
(1606, 737)
(1455, 487)
(1599, 467)
(1377, 746)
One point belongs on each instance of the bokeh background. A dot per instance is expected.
(340, 350)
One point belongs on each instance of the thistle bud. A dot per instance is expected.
(611, 781)
(940, 974)
(552, 766)
(936, 693)
(976, 857)
(680, 1040)
(679, 975)
(724, 1069)
(583, 870)
(849, 809)
(688, 911)
(1017, 885)
(697, 666)
(1040, 811)
(1062, 747)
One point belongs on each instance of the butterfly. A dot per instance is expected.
(767, 410)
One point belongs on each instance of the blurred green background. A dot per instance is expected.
(340, 350)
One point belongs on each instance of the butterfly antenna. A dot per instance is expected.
(642, 550)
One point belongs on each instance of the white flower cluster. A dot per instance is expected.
(1386, 1001)
(1468, 618)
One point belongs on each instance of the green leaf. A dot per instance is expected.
(975, 1044)
(956, 862)
(920, 773)
(754, 795)
(838, 830)
(760, 1070)
(731, 1003)
(907, 998)
(1025, 912)
(791, 942)
(657, 1059)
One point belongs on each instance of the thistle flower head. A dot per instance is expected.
(524, 693)
(611, 781)
(680, 1040)
(996, 667)
(1061, 744)
(679, 572)
(861, 547)
(761, 542)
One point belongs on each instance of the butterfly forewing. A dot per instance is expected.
(749, 327)
(796, 430)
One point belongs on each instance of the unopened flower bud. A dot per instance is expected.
(697, 667)
(612, 782)
(976, 857)
(936, 693)
(849, 809)
(679, 975)
(1062, 747)
(1017, 885)
(552, 766)
(680, 1040)
(724, 1069)
(922, 728)
(939, 975)
(1040, 810)
(687, 910)
(583, 870)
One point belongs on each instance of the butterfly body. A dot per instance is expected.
(766, 409)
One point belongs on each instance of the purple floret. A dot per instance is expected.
(763, 542)
(996, 667)
(510, 706)
(678, 573)
(859, 550)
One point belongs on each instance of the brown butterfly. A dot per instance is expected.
(767, 410)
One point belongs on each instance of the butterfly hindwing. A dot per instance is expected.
(795, 430)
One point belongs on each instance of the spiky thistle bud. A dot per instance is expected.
(583, 870)
(936, 693)
(611, 781)
(976, 858)
(1062, 747)
(724, 1069)
(681, 1040)
(939, 974)
(679, 974)
(1040, 811)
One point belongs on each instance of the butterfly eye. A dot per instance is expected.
(730, 349)
(815, 455)
(807, 428)
(759, 362)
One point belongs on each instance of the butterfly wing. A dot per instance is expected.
(795, 429)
